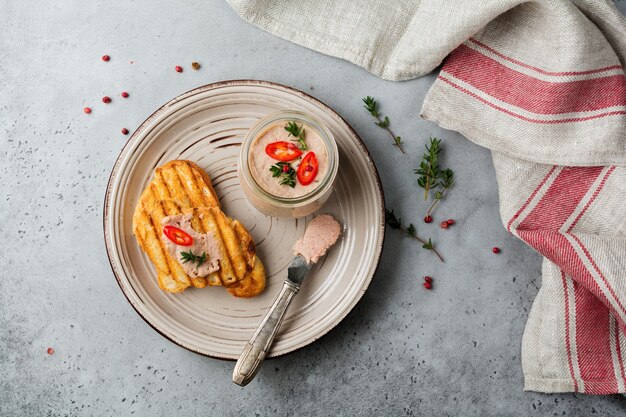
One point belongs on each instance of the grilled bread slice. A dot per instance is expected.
(252, 284)
(181, 187)
(179, 180)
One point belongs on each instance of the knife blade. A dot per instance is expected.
(256, 349)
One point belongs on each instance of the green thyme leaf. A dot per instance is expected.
(395, 222)
(285, 176)
(383, 123)
(298, 132)
(447, 178)
(428, 171)
(392, 220)
(191, 257)
(275, 171)
(372, 107)
(431, 176)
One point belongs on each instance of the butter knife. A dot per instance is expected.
(254, 353)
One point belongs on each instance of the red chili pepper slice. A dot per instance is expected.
(307, 171)
(283, 151)
(178, 236)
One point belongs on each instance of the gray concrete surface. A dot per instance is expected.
(402, 351)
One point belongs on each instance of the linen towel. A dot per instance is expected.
(542, 85)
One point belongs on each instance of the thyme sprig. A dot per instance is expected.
(431, 177)
(193, 258)
(428, 171)
(396, 223)
(285, 173)
(372, 107)
(298, 133)
(446, 179)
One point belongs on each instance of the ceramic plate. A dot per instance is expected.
(207, 125)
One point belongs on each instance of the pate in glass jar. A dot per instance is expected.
(288, 164)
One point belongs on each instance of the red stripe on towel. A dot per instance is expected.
(554, 246)
(534, 193)
(528, 119)
(593, 343)
(539, 70)
(532, 94)
(561, 198)
(599, 272)
(593, 197)
(540, 228)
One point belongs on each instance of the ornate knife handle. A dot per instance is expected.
(254, 353)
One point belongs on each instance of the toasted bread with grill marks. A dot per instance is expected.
(252, 284)
(180, 180)
(181, 187)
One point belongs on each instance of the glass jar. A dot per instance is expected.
(283, 206)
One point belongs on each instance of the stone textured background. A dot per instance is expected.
(402, 351)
